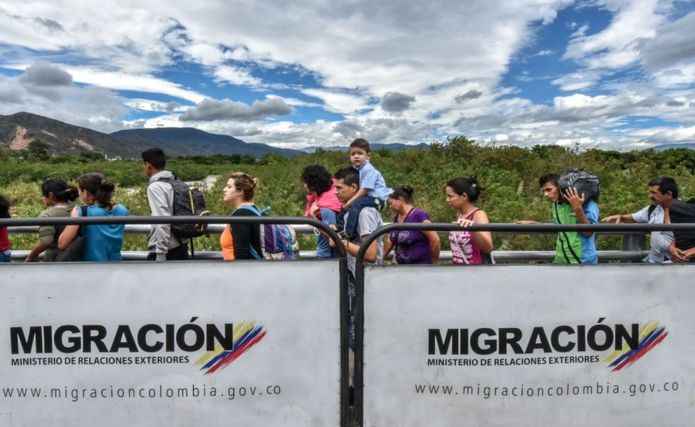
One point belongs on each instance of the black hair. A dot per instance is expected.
(404, 191)
(360, 143)
(155, 157)
(98, 187)
(4, 207)
(349, 175)
(552, 178)
(62, 192)
(317, 179)
(666, 184)
(468, 186)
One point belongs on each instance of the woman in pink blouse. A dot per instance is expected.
(467, 247)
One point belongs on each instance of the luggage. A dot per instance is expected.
(585, 182)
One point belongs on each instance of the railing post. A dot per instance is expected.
(633, 242)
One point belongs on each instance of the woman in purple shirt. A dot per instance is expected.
(412, 247)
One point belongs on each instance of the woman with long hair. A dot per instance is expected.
(57, 197)
(412, 247)
(468, 247)
(103, 241)
(241, 241)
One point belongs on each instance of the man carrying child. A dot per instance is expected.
(372, 192)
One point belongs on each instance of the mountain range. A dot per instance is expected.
(20, 129)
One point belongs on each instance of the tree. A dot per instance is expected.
(39, 150)
(91, 156)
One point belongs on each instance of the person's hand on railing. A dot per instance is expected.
(465, 223)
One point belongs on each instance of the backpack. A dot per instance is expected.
(585, 182)
(188, 201)
(278, 241)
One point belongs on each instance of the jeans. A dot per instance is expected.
(350, 227)
(6, 255)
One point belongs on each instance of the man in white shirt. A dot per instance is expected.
(347, 184)
(162, 244)
(662, 191)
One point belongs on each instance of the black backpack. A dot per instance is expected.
(585, 182)
(188, 201)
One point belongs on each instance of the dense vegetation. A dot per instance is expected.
(508, 174)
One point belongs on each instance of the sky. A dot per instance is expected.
(611, 74)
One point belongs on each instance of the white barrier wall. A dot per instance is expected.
(529, 346)
(174, 344)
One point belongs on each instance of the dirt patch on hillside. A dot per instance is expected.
(84, 144)
(19, 142)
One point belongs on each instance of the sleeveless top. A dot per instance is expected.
(227, 244)
(464, 249)
(104, 241)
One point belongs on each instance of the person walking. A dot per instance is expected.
(57, 197)
(103, 241)
(468, 247)
(411, 247)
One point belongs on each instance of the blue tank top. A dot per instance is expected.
(104, 241)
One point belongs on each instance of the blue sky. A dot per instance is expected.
(615, 74)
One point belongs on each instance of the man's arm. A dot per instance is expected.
(626, 218)
(577, 202)
(353, 248)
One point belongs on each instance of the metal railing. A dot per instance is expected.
(632, 245)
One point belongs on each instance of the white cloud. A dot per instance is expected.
(676, 77)
(92, 107)
(124, 81)
(294, 102)
(338, 102)
(357, 52)
(672, 45)
(578, 80)
(666, 135)
(615, 45)
(580, 101)
(154, 106)
(235, 75)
